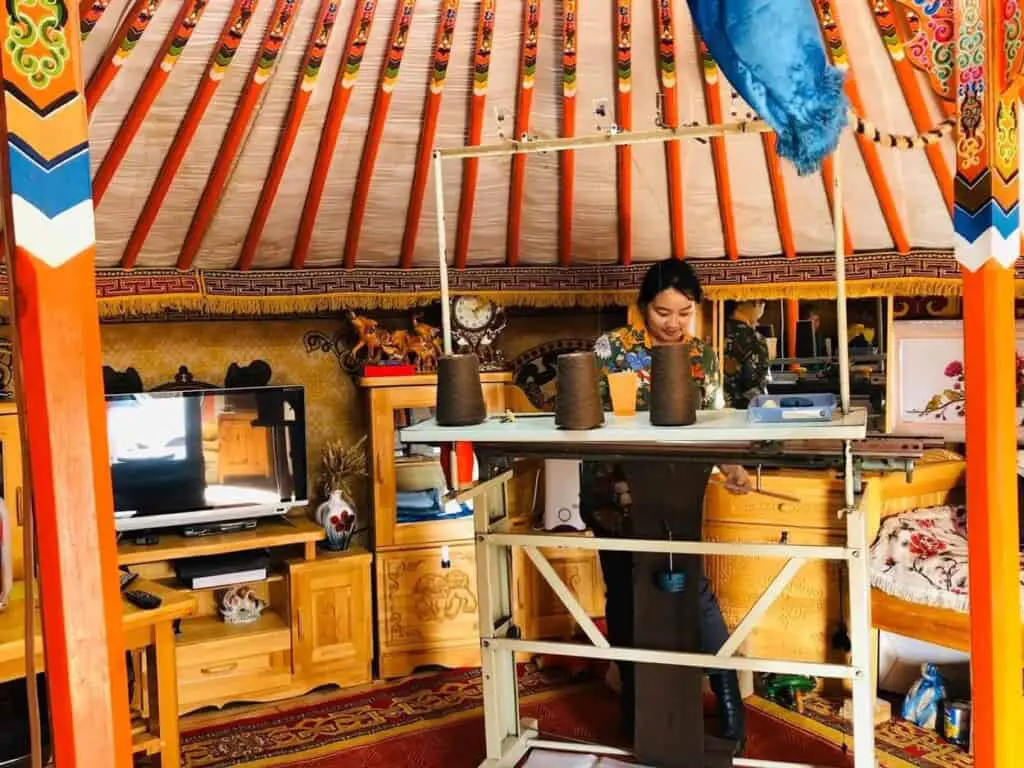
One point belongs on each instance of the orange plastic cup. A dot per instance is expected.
(622, 387)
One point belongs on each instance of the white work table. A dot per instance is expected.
(723, 426)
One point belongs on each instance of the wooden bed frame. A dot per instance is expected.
(938, 479)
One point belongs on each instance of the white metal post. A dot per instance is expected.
(442, 252)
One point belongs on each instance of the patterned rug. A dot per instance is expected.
(436, 721)
(898, 744)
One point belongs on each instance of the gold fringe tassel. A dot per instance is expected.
(203, 304)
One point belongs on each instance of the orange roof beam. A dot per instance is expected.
(448, 14)
(895, 40)
(524, 105)
(665, 20)
(719, 159)
(778, 187)
(89, 14)
(309, 73)
(122, 46)
(567, 159)
(828, 17)
(624, 119)
(477, 103)
(224, 54)
(378, 118)
(174, 44)
(352, 58)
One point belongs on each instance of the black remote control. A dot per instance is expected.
(144, 600)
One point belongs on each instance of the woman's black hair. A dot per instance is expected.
(670, 273)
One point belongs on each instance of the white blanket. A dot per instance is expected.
(921, 557)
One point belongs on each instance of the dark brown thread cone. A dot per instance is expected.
(460, 395)
(578, 399)
(673, 395)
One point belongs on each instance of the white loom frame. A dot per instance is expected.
(508, 739)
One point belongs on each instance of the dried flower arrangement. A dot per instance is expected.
(340, 463)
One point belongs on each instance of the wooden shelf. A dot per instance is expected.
(268, 533)
(213, 629)
(427, 380)
(713, 427)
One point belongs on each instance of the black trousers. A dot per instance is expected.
(617, 568)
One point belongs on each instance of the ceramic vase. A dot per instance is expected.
(338, 519)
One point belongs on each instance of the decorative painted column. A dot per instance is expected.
(987, 222)
(50, 249)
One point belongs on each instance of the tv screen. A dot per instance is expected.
(206, 456)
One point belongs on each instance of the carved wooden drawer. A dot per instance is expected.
(427, 614)
(820, 499)
(800, 624)
(216, 682)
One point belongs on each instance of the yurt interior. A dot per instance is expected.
(363, 406)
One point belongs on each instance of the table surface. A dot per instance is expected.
(176, 605)
(712, 427)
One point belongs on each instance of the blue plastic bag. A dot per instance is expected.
(923, 703)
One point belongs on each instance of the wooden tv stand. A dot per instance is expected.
(316, 629)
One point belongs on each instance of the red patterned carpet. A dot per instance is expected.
(436, 722)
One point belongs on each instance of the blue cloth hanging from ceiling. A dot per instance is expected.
(772, 53)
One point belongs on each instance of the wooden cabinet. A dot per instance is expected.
(539, 612)
(427, 613)
(13, 492)
(800, 624)
(331, 626)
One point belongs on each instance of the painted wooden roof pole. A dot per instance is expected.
(50, 247)
(986, 221)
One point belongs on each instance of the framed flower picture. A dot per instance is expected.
(926, 392)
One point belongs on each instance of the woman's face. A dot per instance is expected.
(670, 316)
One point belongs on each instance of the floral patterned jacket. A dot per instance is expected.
(745, 363)
(604, 493)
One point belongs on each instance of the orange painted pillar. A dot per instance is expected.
(50, 254)
(987, 227)
(792, 315)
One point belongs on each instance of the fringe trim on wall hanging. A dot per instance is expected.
(147, 293)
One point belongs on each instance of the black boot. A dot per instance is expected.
(726, 686)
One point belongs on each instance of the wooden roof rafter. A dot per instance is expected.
(778, 187)
(477, 103)
(282, 19)
(567, 160)
(719, 158)
(121, 47)
(378, 118)
(894, 39)
(624, 120)
(235, 27)
(448, 13)
(352, 58)
(309, 73)
(828, 18)
(666, 52)
(89, 14)
(524, 105)
(173, 46)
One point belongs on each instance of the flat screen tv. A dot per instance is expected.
(201, 457)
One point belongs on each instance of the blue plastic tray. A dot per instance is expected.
(773, 409)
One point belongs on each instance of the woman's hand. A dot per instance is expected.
(736, 479)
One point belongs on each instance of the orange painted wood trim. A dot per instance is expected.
(448, 15)
(828, 18)
(62, 416)
(791, 310)
(894, 37)
(173, 46)
(719, 159)
(665, 26)
(993, 560)
(378, 118)
(524, 106)
(121, 47)
(282, 18)
(778, 187)
(827, 170)
(89, 14)
(624, 118)
(309, 73)
(471, 166)
(223, 55)
(567, 160)
(355, 46)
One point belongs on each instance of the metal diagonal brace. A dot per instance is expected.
(772, 593)
(567, 597)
